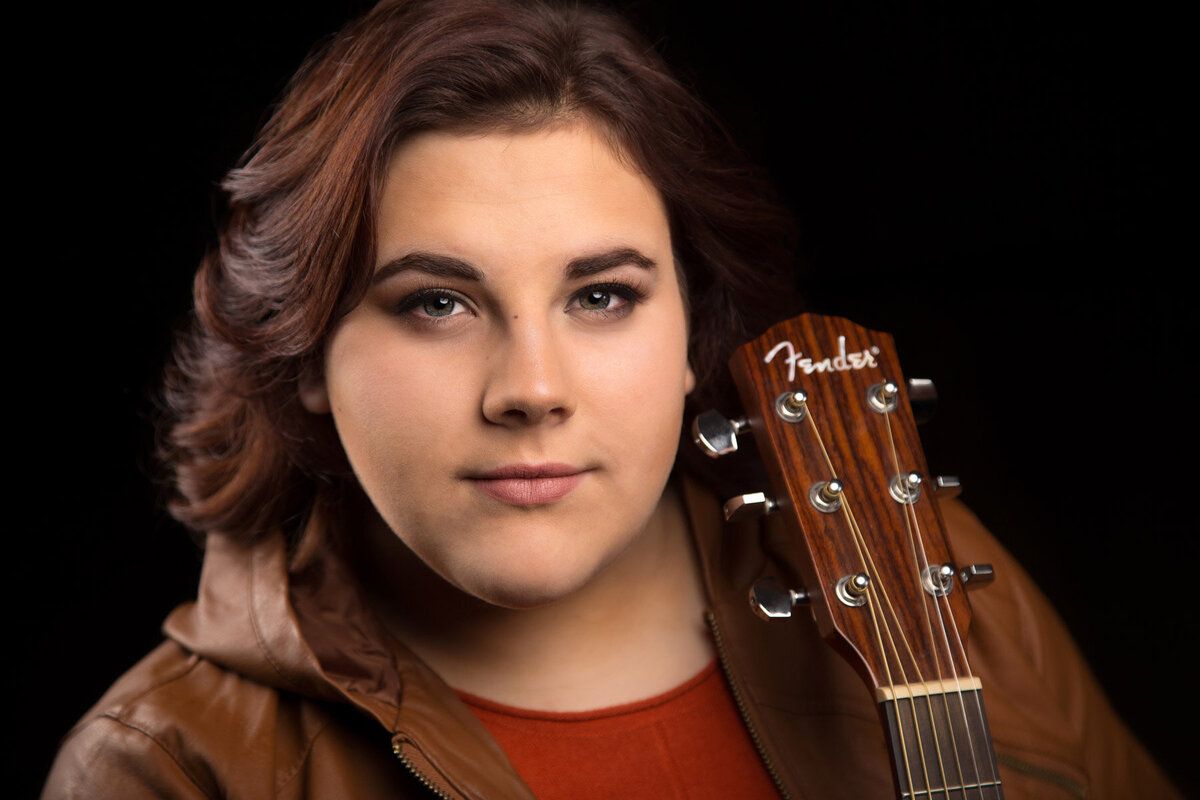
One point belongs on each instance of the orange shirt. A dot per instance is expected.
(687, 743)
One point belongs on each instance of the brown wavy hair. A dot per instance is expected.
(296, 249)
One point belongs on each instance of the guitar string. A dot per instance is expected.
(857, 531)
(872, 601)
(993, 772)
(957, 640)
(873, 588)
(993, 777)
(921, 563)
(859, 542)
(907, 510)
(993, 768)
(921, 679)
(887, 598)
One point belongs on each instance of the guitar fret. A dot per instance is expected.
(946, 790)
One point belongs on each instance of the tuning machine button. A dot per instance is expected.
(770, 599)
(973, 576)
(922, 397)
(715, 434)
(946, 486)
(748, 506)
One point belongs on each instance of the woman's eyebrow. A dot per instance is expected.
(585, 266)
(450, 267)
(430, 263)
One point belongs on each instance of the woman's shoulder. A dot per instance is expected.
(1049, 717)
(178, 725)
(159, 730)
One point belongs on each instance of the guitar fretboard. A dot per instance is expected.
(940, 744)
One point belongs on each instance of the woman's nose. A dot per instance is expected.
(529, 381)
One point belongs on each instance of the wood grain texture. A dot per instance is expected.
(821, 361)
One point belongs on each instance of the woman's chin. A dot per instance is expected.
(527, 585)
(522, 593)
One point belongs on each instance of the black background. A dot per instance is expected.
(995, 184)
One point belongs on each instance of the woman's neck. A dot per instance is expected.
(635, 630)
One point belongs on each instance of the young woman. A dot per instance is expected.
(482, 262)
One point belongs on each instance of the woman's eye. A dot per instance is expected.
(440, 306)
(431, 306)
(595, 300)
(607, 300)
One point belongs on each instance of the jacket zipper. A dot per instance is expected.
(743, 709)
(426, 781)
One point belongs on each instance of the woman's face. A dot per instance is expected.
(510, 391)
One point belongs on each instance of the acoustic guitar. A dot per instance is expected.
(830, 411)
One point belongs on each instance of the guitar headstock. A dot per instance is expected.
(829, 409)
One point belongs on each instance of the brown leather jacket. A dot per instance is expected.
(284, 686)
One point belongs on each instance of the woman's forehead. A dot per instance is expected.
(513, 160)
(514, 188)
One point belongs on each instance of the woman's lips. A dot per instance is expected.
(529, 484)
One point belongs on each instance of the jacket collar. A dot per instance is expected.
(310, 633)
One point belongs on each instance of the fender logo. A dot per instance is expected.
(842, 362)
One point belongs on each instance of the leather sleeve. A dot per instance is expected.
(107, 758)
(1050, 719)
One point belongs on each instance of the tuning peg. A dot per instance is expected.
(747, 506)
(922, 396)
(973, 576)
(946, 486)
(938, 579)
(715, 434)
(770, 599)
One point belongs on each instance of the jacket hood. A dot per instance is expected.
(311, 633)
(243, 621)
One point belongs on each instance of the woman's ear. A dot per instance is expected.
(689, 380)
(314, 395)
